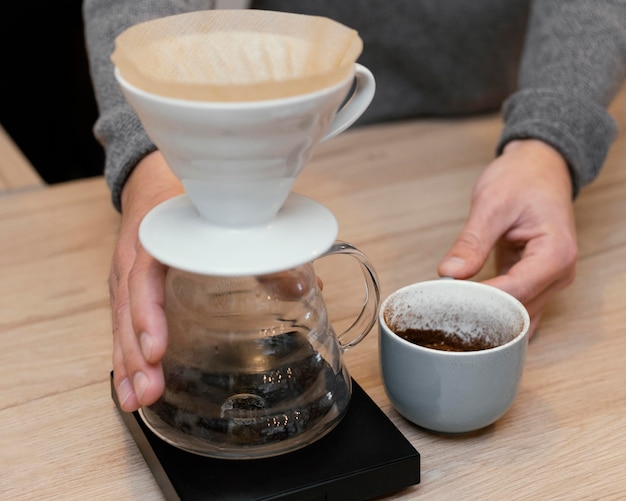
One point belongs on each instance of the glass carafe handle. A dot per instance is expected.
(369, 310)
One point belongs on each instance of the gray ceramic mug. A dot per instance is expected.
(452, 391)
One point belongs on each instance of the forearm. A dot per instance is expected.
(118, 129)
(150, 183)
(574, 63)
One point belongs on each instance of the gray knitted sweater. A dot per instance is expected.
(552, 66)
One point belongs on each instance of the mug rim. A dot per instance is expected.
(386, 330)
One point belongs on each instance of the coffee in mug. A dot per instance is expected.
(452, 353)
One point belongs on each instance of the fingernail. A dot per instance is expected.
(145, 340)
(452, 264)
(140, 382)
(124, 391)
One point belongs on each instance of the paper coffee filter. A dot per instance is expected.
(236, 55)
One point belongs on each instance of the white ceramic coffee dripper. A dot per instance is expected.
(237, 229)
(238, 162)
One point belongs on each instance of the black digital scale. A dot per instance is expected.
(364, 457)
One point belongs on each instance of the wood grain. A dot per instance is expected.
(16, 172)
(400, 193)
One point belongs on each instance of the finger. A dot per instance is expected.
(289, 285)
(146, 290)
(534, 304)
(320, 283)
(121, 325)
(534, 277)
(118, 296)
(471, 249)
(535, 320)
(122, 383)
(544, 267)
(137, 381)
(143, 382)
(145, 345)
(534, 308)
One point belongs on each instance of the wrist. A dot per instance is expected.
(150, 183)
(539, 151)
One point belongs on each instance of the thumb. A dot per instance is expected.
(467, 255)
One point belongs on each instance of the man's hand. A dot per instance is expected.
(521, 207)
(136, 285)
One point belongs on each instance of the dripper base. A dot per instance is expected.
(175, 234)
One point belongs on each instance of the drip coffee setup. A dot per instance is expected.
(255, 382)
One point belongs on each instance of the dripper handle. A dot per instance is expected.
(361, 97)
(369, 310)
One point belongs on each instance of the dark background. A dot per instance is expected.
(47, 104)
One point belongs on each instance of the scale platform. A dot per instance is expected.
(364, 457)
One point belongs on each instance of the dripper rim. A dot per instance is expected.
(195, 103)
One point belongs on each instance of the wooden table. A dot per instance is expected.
(400, 193)
(16, 172)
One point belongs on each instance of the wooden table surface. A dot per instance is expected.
(400, 193)
(16, 172)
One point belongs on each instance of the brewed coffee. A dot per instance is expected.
(299, 396)
(447, 341)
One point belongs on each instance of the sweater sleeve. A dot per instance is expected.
(117, 128)
(573, 64)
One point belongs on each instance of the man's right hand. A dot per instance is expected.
(136, 287)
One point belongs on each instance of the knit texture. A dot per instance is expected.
(553, 67)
